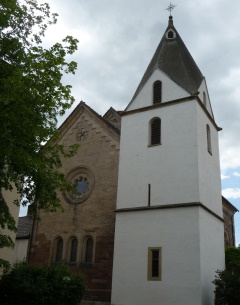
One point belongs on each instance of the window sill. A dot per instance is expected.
(86, 265)
(153, 145)
(72, 263)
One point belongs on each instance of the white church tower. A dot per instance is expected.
(169, 235)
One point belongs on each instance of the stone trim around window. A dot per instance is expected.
(154, 263)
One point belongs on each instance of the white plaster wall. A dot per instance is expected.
(170, 91)
(20, 249)
(208, 165)
(177, 232)
(203, 88)
(212, 253)
(171, 168)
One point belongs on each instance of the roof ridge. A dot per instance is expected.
(101, 118)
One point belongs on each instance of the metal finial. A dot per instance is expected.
(170, 8)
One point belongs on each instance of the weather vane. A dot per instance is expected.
(170, 8)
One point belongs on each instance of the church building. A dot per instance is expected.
(147, 222)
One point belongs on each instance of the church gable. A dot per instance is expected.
(85, 125)
(113, 117)
(159, 88)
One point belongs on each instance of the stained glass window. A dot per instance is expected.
(82, 185)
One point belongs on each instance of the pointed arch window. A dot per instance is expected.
(209, 144)
(155, 131)
(59, 250)
(157, 92)
(73, 252)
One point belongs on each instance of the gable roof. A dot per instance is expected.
(228, 203)
(77, 112)
(113, 117)
(173, 58)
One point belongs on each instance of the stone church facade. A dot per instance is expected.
(83, 235)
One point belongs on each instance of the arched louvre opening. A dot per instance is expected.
(155, 131)
(157, 92)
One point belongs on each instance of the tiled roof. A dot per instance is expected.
(224, 200)
(117, 130)
(173, 58)
(24, 226)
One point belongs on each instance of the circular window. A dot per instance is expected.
(83, 181)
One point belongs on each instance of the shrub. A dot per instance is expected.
(25, 284)
(227, 282)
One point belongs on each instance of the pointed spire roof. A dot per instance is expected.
(174, 59)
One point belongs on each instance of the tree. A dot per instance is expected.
(40, 285)
(227, 282)
(32, 96)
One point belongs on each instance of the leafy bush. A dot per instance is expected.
(40, 285)
(227, 290)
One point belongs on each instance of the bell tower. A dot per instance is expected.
(169, 227)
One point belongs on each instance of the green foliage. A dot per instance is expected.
(227, 282)
(40, 285)
(232, 258)
(31, 97)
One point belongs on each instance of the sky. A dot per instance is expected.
(117, 39)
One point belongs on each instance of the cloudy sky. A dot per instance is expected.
(117, 39)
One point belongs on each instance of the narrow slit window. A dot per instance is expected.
(154, 264)
(209, 144)
(149, 195)
(157, 92)
(204, 99)
(155, 135)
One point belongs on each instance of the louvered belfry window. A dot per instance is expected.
(156, 131)
(157, 92)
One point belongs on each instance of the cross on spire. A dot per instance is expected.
(170, 8)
